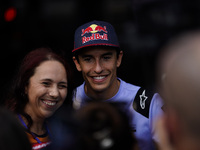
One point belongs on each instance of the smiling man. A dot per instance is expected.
(97, 55)
(98, 65)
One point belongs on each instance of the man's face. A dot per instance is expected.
(99, 68)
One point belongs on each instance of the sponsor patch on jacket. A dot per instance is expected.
(142, 101)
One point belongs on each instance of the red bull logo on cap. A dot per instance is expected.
(94, 29)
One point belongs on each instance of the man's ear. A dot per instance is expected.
(119, 60)
(78, 67)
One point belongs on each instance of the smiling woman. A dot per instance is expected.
(40, 88)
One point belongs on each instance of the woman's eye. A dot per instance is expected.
(47, 84)
(62, 86)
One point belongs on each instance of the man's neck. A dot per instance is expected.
(103, 95)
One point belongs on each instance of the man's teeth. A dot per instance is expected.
(99, 78)
(50, 103)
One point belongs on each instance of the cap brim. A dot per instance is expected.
(100, 44)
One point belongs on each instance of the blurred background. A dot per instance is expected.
(143, 27)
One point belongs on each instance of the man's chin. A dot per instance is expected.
(98, 88)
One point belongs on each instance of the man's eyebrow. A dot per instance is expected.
(108, 53)
(83, 56)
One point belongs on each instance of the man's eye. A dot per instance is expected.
(107, 57)
(87, 59)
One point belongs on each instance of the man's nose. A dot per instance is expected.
(98, 67)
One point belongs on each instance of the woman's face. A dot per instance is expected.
(47, 89)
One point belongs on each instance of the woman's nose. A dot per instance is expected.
(53, 92)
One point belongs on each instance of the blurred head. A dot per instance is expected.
(12, 134)
(104, 126)
(34, 63)
(181, 88)
(97, 125)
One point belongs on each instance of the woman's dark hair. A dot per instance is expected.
(17, 100)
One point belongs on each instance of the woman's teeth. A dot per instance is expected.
(50, 103)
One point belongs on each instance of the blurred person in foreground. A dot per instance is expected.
(96, 126)
(40, 88)
(105, 127)
(180, 88)
(12, 135)
(97, 55)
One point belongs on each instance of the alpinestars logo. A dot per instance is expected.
(143, 98)
(94, 29)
